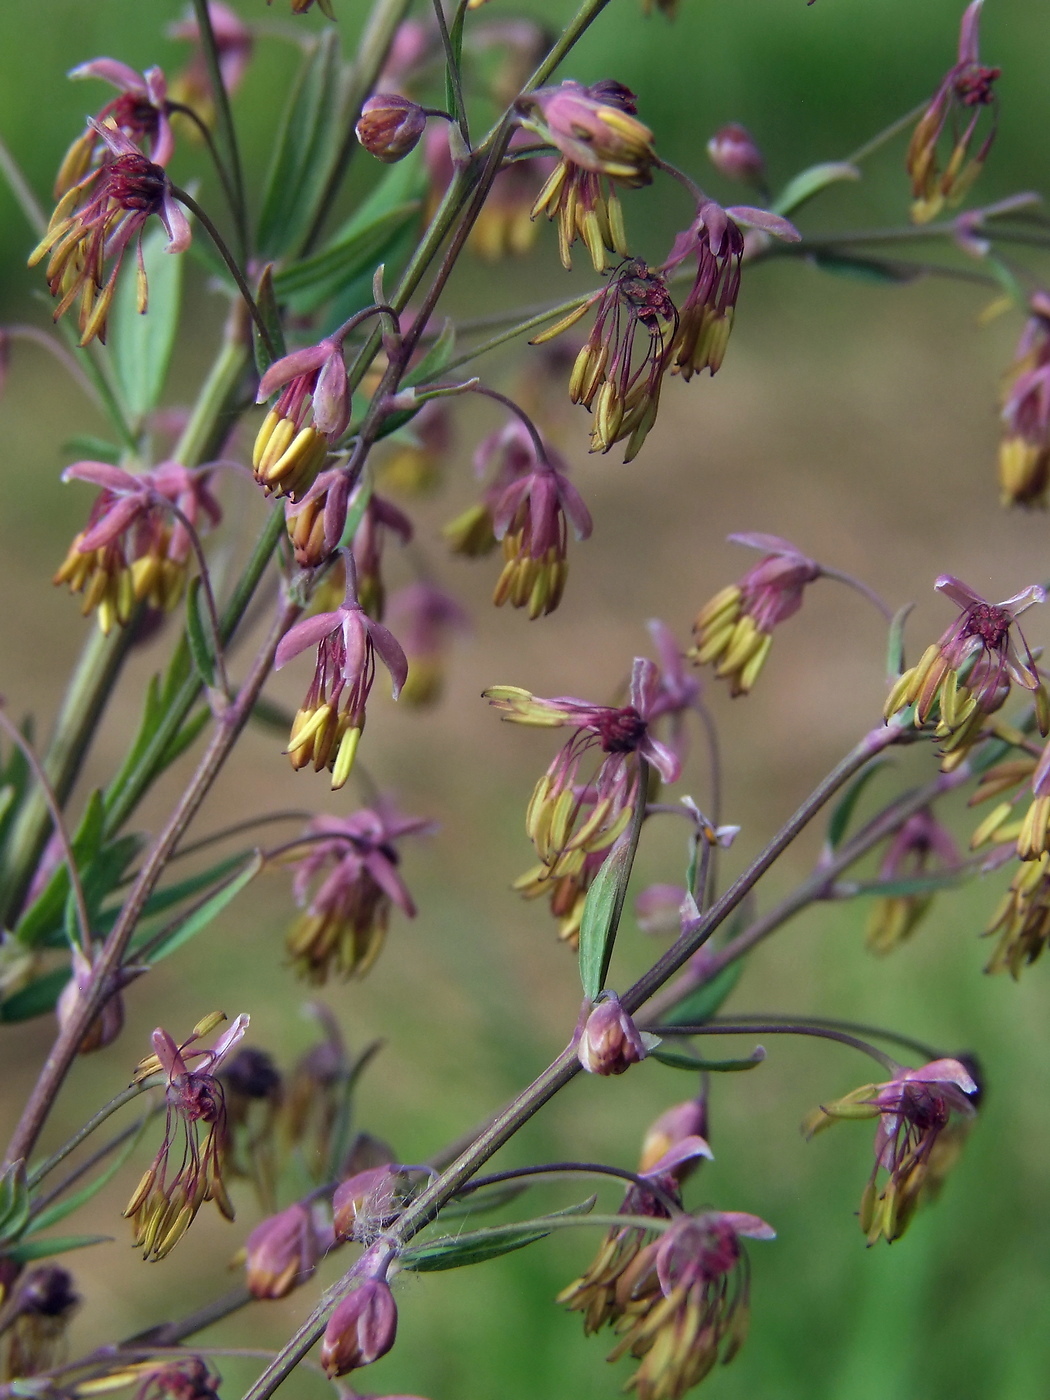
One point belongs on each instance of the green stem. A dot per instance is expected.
(213, 413)
(887, 134)
(224, 116)
(36, 1176)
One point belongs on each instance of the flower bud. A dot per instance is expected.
(367, 1195)
(390, 126)
(684, 1121)
(734, 154)
(282, 1252)
(361, 1330)
(607, 1042)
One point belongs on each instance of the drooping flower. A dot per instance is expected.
(601, 142)
(363, 1326)
(187, 1378)
(163, 1205)
(1021, 922)
(94, 224)
(566, 892)
(678, 692)
(618, 374)
(913, 1109)
(921, 840)
(317, 1093)
(607, 1040)
(426, 619)
(735, 154)
(328, 725)
(233, 44)
(531, 517)
(390, 126)
(108, 1022)
(312, 410)
(137, 544)
(1024, 450)
(510, 455)
(344, 921)
(282, 1251)
(966, 89)
(37, 1315)
(622, 734)
(734, 631)
(684, 1301)
(254, 1092)
(140, 113)
(715, 239)
(967, 675)
(596, 1292)
(365, 1200)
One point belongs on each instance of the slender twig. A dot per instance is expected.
(58, 823)
(859, 586)
(887, 134)
(645, 1183)
(231, 262)
(772, 1028)
(293, 814)
(41, 1202)
(918, 1047)
(22, 191)
(82, 1134)
(530, 427)
(204, 574)
(224, 116)
(204, 132)
(65, 357)
(690, 186)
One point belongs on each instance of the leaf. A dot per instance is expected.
(700, 1005)
(918, 884)
(808, 183)
(95, 448)
(435, 360)
(842, 812)
(308, 283)
(867, 269)
(356, 513)
(304, 150)
(183, 738)
(207, 911)
(895, 643)
(14, 1201)
(266, 302)
(142, 343)
(47, 910)
(60, 1244)
(601, 915)
(37, 999)
(681, 1059)
(475, 1247)
(198, 635)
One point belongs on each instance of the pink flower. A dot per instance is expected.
(234, 43)
(344, 922)
(363, 1326)
(283, 1250)
(426, 619)
(607, 1041)
(347, 641)
(312, 410)
(140, 113)
(163, 1207)
(1024, 452)
(735, 154)
(94, 224)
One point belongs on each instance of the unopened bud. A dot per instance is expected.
(683, 1121)
(367, 1195)
(608, 1042)
(361, 1330)
(282, 1252)
(390, 126)
(734, 154)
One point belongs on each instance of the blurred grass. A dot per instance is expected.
(859, 421)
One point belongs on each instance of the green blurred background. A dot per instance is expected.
(857, 420)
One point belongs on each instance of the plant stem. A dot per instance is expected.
(452, 64)
(224, 735)
(768, 1028)
(887, 134)
(231, 262)
(224, 117)
(50, 1163)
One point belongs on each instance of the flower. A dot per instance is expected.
(363, 1326)
(254, 1093)
(347, 641)
(612, 377)
(531, 517)
(233, 44)
(735, 154)
(185, 1379)
(682, 1124)
(38, 1312)
(140, 113)
(607, 1041)
(1022, 919)
(967, 674)
(162, 1209)
(390, 126)
(567, 892)
(895, 917)
(511, 452)
(94, 224)
(289, 450)
(735, 629)
(426, 618)
(913, 1108)
(137, 543)
(282, 1252)
(380, 518)
(108, 1023)
(601, 141)
(965, 90)
(344, 923)
(1024, 451)
(684, 1301)
(596, 1292)
(553, 818)
(678, 689)
(364, 1200)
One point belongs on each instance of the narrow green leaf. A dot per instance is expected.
(60, 1244)
(37, 999)
(475, 1247)
(170, 895)
(435, 360)
(198, 635)
(895, 643)
(304, 149)
(95, 448)
(842, 812)
(808, 183)
(181, 741)
(142, 343)
(47, 911)
(682, 1059)
(356, 513)
(266, 301)
(601, 914)
(867, 269)
(207, 911)
(308, 283)
(14, 1201)
(699, 1006)
(918, 884)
